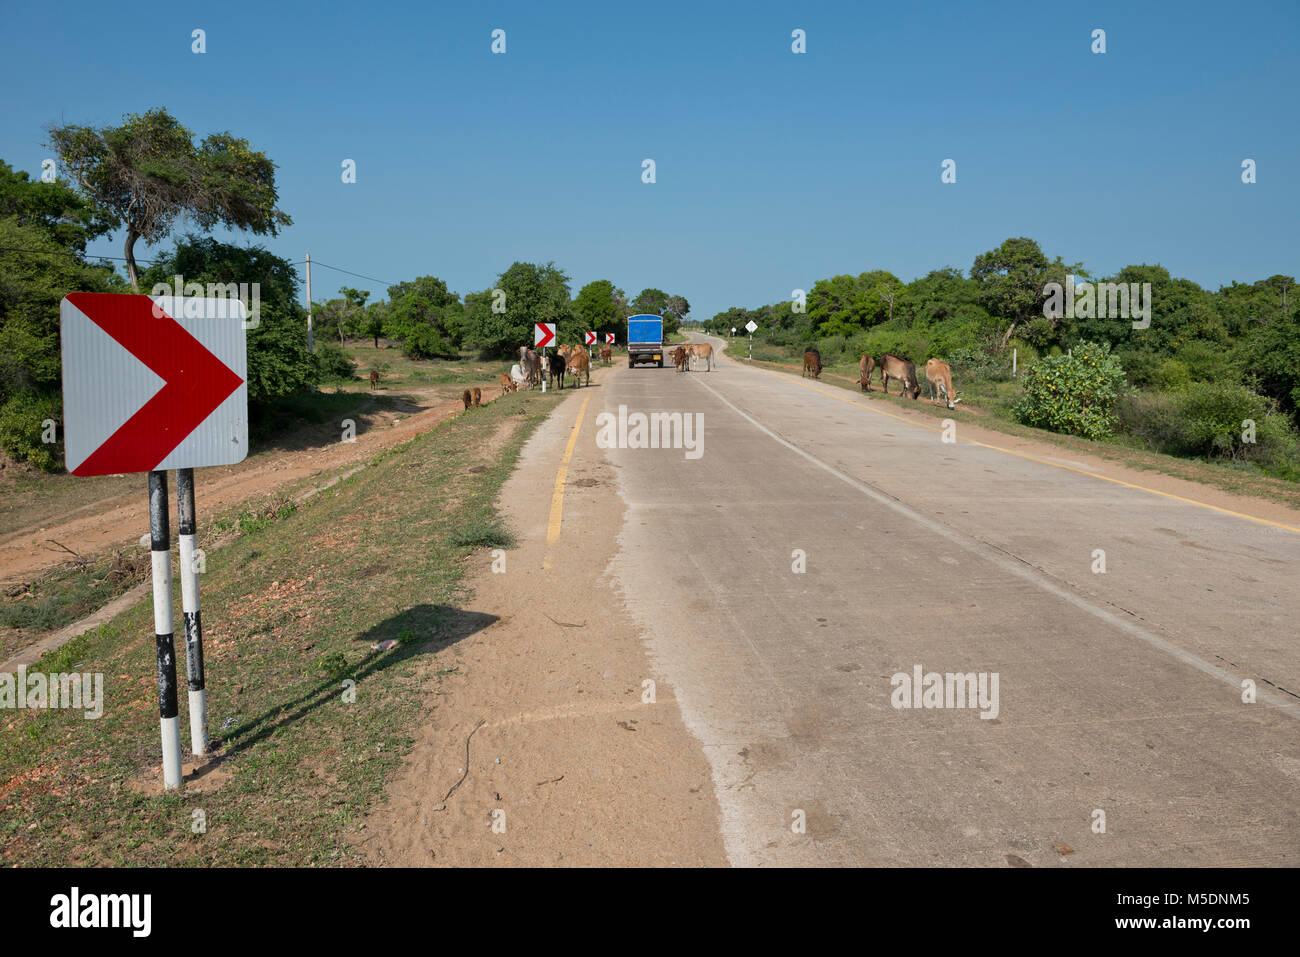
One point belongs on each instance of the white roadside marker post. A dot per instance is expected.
(188, 533)
(164, 639)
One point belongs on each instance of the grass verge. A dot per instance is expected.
(291, 611)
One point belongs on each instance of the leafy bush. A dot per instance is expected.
(1216, 417)
(335, 364)
(424, 342)
(1074, 394)
(21, 429)
(978, 364)
(1212, 421)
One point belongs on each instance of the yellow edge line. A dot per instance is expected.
(557, 500)
(1033, 458)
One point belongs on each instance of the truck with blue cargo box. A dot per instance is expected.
(645, 340)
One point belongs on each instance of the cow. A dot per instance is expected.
(517, 377)
(812, 363)
(565, 351)
(680, 361)
(468, 398)
(507, 383)
(374, 379)
(606, 355)
(904, 370)
(579, 363)
(531, 365)
(704, 351)
(866, 365)
(557, 370)
(939, 377)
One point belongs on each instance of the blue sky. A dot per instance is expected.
(773, 169)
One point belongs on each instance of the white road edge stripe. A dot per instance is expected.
(1263, 695)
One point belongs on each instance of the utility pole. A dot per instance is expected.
(311, 344)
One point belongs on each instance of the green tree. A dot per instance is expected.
(147, 171)
(36, 272)
(533, 293)
(596, 307)
(53, 207)
(1012, 281)
(279, 362)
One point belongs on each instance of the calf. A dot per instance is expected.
(374, 380)
(580, 363)
(866, 365)
(557, 369)
(507, 383)
(939, 377)
(904, 370)
(702, 350)
(812, 363)
(468, 398)
(478, 397)
(679, 359)
(606, 355)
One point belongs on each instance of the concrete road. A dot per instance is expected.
(819, 545)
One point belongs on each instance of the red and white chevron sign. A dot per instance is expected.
(609, 337)
(591, 338)
(152, 383)
(543, 334)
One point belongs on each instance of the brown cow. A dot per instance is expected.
(702, 350)
(904, 370)
(579, 363)
(938, 374)
(606, 355)
(812, 363)
(478, 396)
(507, 383)
(679, 359)
(374, 380)
(468, 398)
(866, 365)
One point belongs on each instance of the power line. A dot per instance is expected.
(317, 262)
(87, 261)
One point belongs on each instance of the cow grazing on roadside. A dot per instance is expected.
(580, 364)
(478, 397)
(507, 383)
(468, 398)
(680, 362)
(558, 366)
(606, 355)
(702, 351)
(531, 364)
(866, 365)
(374, 379)
(939, 377)
(517, 376)
(904, 370)
(812, 363)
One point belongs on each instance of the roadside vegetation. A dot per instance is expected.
(1214, 377)
(137, 179)
(295, 602)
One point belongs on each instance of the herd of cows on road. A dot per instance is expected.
(937, 374)
(574, 360)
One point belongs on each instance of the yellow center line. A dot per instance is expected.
(1034, 458)
(561, 475)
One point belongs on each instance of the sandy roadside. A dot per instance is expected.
(575, 767)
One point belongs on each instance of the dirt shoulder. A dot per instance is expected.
(563, 752)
